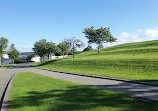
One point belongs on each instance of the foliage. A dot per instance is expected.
(65, 47)
(58, 51)
(74, 43)
(34, 92)
(18, 61)
(133, 61)
(50, 48)
(13, 53)
(42, 48)
(3, 46)
(88, 48)
(30, 56)
(98, 36)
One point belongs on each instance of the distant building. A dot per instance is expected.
(24, 55)
(37, 58)
(6, 59)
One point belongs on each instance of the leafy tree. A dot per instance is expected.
(58, 51)
(88, 48)
(3, 46)
(39, 48)
(98, 36)
(65, 47)
(50, 48)
(74, 43)
(14, 53)
(12, 46)
(42, 48)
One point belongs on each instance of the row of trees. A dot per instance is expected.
(13, 52)
(45, 48)
(97, 36)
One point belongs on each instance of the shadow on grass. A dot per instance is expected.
(48, 62)
(80, 98)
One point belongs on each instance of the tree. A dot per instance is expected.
(74, 43)
(3, 46)
(13, 53)
(98, 36)
(50, 48)
(58, 51)
(39, 48)
(88, 48)
(42, 48)
(65, 47)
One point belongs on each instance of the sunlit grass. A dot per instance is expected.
(134, 61)
(33, 92)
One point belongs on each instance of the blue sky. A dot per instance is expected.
(25, 21)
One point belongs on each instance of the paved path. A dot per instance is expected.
(145, 91)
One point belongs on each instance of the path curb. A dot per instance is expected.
(6, 95)
(100, 77)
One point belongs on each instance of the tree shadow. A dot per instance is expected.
(80, 98)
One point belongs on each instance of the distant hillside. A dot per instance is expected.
(135, 61)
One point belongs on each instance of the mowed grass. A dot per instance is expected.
(33, 92)
(7, 65)
(133, 61)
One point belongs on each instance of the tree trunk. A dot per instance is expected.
(13, 61)
(98, 49)
(48, 56)
(63, 54)
(73, 52)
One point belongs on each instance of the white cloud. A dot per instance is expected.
(139, 36)
(153, 33)
(122, 38)
(150, 34)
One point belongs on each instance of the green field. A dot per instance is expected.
(133, 61)
(33, 92)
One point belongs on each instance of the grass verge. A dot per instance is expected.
(32, 92)
(7, 65)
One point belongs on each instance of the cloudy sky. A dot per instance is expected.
(25, 21)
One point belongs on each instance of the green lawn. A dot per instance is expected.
(133, 61)
(7, 65)
(33, 92)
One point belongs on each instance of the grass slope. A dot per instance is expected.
(134, 61)
(32, 92)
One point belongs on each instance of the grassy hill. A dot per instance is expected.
(134, 61)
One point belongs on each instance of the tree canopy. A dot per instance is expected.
(74, 43)
(88, 48)
(13, 53)
(98, 36)
(64, 46)
(3, 46)
(42, 48)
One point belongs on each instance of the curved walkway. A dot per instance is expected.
(138, 90)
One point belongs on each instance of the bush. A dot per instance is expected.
(17, 61)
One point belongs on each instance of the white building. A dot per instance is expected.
(37, 58)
